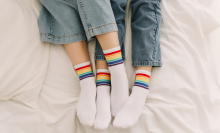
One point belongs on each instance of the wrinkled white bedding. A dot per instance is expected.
(184, 92)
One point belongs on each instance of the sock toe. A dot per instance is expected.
(123, 124)
(87, 120)
(101, 125)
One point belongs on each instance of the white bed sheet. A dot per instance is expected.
(214, 37)
(184, 93)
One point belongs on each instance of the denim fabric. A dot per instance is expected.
(67, 21)
(118, 7)
(145, 22)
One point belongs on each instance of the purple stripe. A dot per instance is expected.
(86, 77)
(103, 84)
(115, 64)
(141, 86)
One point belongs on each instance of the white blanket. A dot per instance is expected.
(184, 92)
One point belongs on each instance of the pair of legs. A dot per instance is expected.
(71, 22)
(103, 114)
(145, 21)
(78, 54)
(74, 23)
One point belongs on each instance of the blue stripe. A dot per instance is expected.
(103, 82)
(115, 62)
(87, 77)
(142, 84)
(89, 74)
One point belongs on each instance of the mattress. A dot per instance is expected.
(184, 92)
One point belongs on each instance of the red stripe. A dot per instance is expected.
(83, 67)
(112, 53)
(103, 73)
(141, 74)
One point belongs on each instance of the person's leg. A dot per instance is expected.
(103, 115)
(60, 23)
(86, 106)
(78, 52)
(99, 21)
(119, 81)
(118, 7)
(107, 43)
(146, 17)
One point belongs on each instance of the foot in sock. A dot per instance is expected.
(119, 80)
(134, 106)
(86, 106)
(103, 114)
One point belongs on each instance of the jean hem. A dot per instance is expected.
(148, 63)
(63, 39)
(92, 32)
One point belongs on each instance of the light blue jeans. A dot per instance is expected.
(145, 23)
(68, 21)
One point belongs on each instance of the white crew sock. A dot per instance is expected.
(133, 107)
(119, 81)
(103, 115)
(86, 106)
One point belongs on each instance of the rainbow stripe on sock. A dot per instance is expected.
(114, 58)
(142, 80)
(84, 72)
(103, 79)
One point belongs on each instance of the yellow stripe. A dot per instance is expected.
(143, 76)
(103, 77)
(84, 70)
(113, 57)
(143, 79)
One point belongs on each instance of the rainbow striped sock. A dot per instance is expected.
(119, 79)
(103, 110)
(84, 70)
(142, 79)
(103, 78)
(86, 104)
(113, 56)
(133, 107)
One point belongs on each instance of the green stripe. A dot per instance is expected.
(114, 59)
(142, 81)
(85, 73)
(103, 80)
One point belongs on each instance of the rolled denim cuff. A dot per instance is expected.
(92, 32)
(63, 39)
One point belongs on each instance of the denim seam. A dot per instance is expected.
(99, 26)
(147, 63)
(153, 64)
(84, 12)
(51, 26)
(62, 36)
(154, 52)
